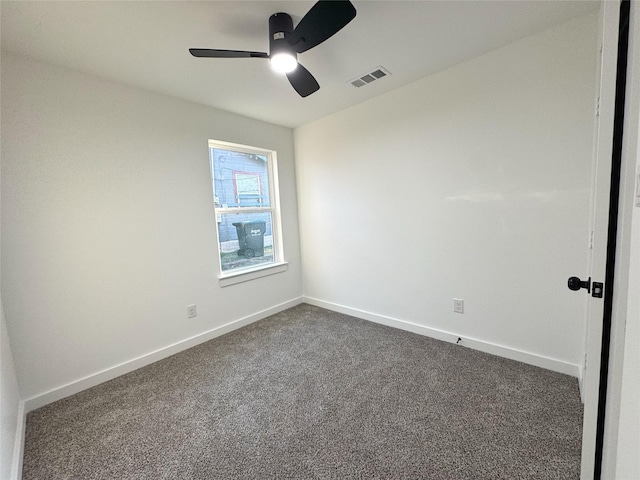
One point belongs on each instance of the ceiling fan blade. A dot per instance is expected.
(212, 53)
(302, 81)
(324, 20)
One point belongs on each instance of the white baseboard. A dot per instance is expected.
(474, 343)
(149, 358)
(144, 360)
(18, 445)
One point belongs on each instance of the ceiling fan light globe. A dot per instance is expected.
(283, 62)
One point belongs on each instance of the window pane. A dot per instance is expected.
(239, 179)
(245, 240)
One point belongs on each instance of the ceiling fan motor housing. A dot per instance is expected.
(280, 27)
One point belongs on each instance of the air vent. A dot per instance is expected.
(370, 77)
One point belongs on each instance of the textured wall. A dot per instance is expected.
(472, 183)
(108, 228)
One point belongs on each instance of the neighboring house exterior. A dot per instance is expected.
(239, 180)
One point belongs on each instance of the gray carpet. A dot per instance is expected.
(314, 394)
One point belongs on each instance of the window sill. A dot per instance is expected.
(245, 276)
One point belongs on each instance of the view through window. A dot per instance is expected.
(245, 201)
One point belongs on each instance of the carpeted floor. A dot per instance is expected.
(314, 394)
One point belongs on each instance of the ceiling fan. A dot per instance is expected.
(324, 20)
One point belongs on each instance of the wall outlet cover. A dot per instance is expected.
(458, 305)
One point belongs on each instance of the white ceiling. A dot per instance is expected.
(145, 43)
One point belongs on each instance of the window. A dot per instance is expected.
(245, 197)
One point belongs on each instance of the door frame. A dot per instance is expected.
(615, 43)
(612, 230)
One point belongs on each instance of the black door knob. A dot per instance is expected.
(574, 283)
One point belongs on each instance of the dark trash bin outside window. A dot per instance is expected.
(251, 238)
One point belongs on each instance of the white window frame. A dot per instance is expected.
(238, 275)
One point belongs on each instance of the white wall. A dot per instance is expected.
(11, 420)
(472, 183)
(108, 225)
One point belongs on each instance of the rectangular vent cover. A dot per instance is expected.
(376, 74)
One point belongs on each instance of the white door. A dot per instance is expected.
(603, 147)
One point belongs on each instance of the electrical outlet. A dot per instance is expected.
(191, 311)
(458, 305)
